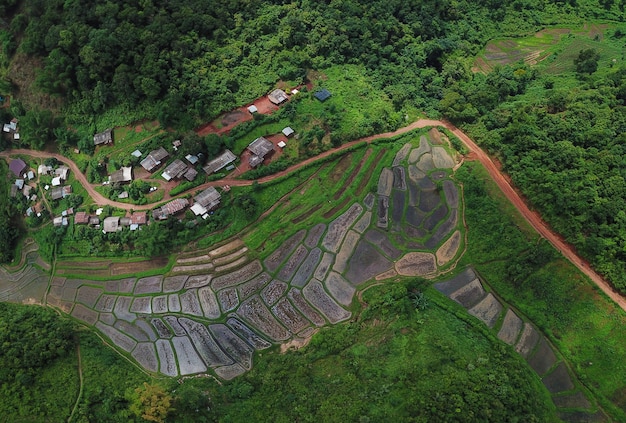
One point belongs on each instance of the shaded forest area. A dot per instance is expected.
(196, 61)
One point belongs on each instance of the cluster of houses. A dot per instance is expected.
(111, 223)
(11, 128)
(176, 170)
(203, 204)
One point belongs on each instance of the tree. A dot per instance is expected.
(587, 61)
(151, 403)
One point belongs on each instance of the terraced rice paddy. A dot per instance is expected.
(216, 307)
(467, 290)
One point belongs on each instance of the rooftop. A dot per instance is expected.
(323, 94)
(220, 162)
(261, 147)
(277, 96)
(175, 170)
(105, 137)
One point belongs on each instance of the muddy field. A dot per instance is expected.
(366, 263)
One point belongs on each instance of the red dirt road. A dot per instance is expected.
(533, 218)
(475, 151)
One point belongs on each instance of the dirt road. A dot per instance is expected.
(533, 218)
(476, 152)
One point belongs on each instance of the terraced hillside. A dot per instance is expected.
(217, 306)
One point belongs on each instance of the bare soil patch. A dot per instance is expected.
(289, 316)
(296, 297)
(448, 249)
(339, 288)
(487, 310)
(145, 354)
(339, 227)
(205, 344)
(138, 266)
(273, 292)
(305, 271)
(416, 264)
(248, 334)
(315, 294)
(330, 213)
(255, 312)
(232, 345)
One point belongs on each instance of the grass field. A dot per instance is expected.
(553, 48)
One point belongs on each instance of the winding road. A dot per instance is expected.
(532, 217)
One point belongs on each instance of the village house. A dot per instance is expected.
(206, 201)
(44, 170)
(170, 209)
(111, 224)
(278, 96)
(81, 218)
(154, 159)
(174, 170)
(60, 221)
(102, 138)
(60, 192)
(94, 221)
(17, 167)
(259, 148)
(191, 174)
(139, 218)
(288, 131)
(11, 126)
(253, 109)
(220, 162)
(62, 172)
(121, 176)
